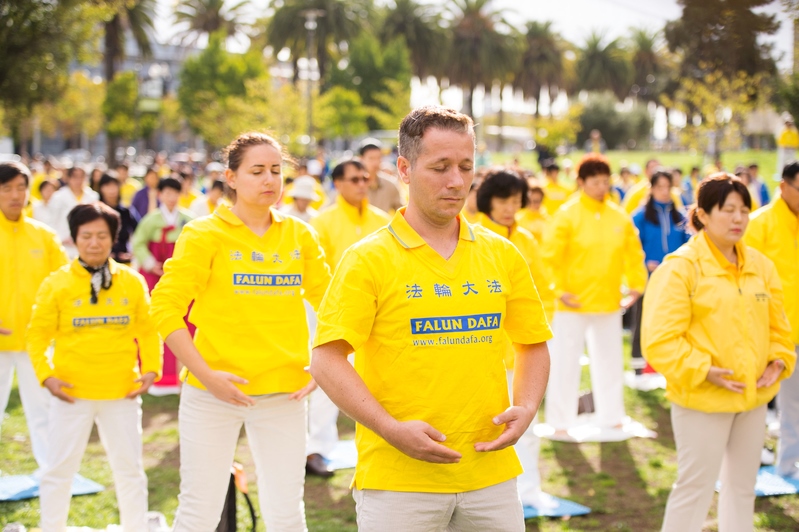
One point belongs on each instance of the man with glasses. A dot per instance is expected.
(774, 230)
(341, 225)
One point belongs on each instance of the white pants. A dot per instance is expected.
(788, 405)
(322, 419)
(527, 449)
(119, 425)
(209, 431)
(35, 399)
(706, 445)
(603, 335)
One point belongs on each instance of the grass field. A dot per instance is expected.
(626, 484)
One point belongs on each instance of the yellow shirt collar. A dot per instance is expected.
(591, 203)
(409, 238)
(722, 261)
(499, 229)
(224, 212)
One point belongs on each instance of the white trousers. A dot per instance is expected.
(209, 431)
(603, 336)
(322, 419)
(709, 444)
(35, 399)
(527, 449)
(119, 425)
(788, 405)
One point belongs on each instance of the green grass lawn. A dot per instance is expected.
(626, 484)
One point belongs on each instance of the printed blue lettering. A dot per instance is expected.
(475, 322)
(248, 279)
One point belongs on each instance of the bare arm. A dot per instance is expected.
(335, 375)
(530, 377)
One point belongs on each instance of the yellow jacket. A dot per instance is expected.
(341, 225)
(555, 195)
(588, 248)
(639, 192)
(789, 138)
(30, 252)
(248, 296)
(697, 315)
(97, 347)
(533, 221)
(774, 231)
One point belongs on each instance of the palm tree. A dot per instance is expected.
(137, 17)
(483, 48)
(604, 67)
(649, 64)
(340, 22)
(420, 26)
(204, 17)
(542, 62)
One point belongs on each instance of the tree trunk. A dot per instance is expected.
(796, 45)
(470, 101)
(501, 121)
(112, 51)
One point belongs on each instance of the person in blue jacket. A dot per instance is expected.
(662, 229)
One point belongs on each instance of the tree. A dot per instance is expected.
(541, 62)
(792, 8)
(604, 66)
(204, 17)
(213, 76)
(135, 16)
(375, 71)
(722, 35)
(340, 22)
(420, 27)
(788, 92)
(78, 112)
(119, 107)
(651, 64)
(340, 113)
(482, 47)
(40, 39)
(627, 129)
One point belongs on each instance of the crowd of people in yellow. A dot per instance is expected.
(463, 293)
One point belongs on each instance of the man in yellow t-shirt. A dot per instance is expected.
(425, 303)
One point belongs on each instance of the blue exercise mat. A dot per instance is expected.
(769, 483)
(563, 508)
(344, 456)
(20, 487)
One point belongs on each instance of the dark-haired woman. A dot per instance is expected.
(715, 327)
(500, 197)
(589, 247)
(97, 312)
(248, 268)
(110, 194)
(662, 229)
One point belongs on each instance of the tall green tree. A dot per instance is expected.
(722, 36)
(483, 47)
(204, 17)
(119, 107)
(541, 62)
(649, 64)
(340, 22)
(420, 26)
(340, 113)
(604, 66)
(135, 16)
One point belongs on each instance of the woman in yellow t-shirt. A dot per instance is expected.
(248, 268)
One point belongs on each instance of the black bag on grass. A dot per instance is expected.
(238, 482)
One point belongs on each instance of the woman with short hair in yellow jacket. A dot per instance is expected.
(715, 327)
(500, 197)
(97, 313)
(248, 268)
(590, 247)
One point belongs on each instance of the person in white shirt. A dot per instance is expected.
(43, 209)
(303, 194)
(207, 203)
(65, 199)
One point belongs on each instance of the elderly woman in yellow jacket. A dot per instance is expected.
(715, 327)
(590, 247)
(500, 197)
(97, 312)
(248, 268)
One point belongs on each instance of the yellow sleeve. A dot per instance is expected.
(525, 320)
(755, 235)
(146, 335)
(316, 276)
(664, 326)
(55, 252)
(634, 268)
(42, 329)
(185, 275)
(347, 311)
(781, 345)
(556, 238)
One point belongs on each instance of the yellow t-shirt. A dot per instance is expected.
(128, 190)
(429, 343)
(555, 195)
(248, 296)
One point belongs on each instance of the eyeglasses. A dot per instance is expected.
(356, 180)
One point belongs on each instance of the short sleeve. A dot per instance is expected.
(348, 309)
(525, 319)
